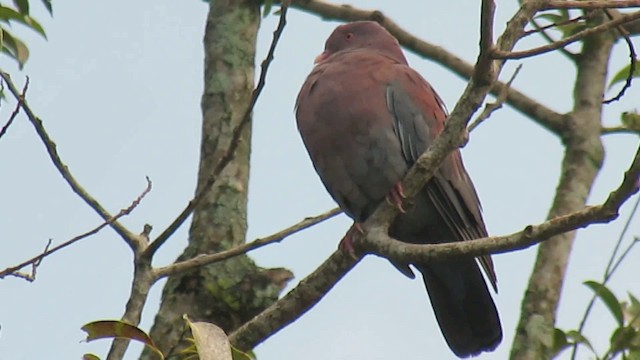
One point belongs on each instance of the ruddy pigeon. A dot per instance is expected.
(365, 117)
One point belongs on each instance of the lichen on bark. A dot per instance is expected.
(230, 292)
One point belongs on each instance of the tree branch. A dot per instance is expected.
(590, 4)
(489, 108)
(619, 130)
(583, 158)
(233, 145)
(295, 304)
(37, 259)
(16, 110)
(498, 54)
(378, 242)
(51, 147)
(206, 259)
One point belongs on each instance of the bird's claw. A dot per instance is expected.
(395, 197)
(346, 244)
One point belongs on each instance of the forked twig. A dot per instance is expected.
(36, 260)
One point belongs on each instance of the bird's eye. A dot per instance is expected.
(349, 36)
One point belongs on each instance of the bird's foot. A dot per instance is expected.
(395, 196)
(346, 244)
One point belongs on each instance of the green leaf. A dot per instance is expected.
(47, 5)
(608, 298)
(559, 342)
(35, 25)
(119, 329)
(551, 17)
(631, 313)
(633, 355)
(7, 14)
(622, 339)
(241, 355)
(23, 6)
(621, 76)
(577, 338)
(572, 28)
(630, 119)
(15, 48)
(266, 10)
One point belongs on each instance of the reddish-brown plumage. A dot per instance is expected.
(365, 117)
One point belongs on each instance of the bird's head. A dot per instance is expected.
(358, 35)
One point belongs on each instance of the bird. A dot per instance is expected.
(365, 116)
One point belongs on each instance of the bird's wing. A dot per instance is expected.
(418, 117)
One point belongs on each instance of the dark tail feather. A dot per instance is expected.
(463, 306)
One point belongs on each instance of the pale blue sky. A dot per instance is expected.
(118, 85)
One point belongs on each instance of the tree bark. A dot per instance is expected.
(230, 292)
(584, 154)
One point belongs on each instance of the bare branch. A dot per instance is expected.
(484, 71)
(37, 259)
(590, 4)
(619, 130)
(233, 145)
(378, 242)
(633, 27)
(31, 277)
(500, 54)
(543, 32)
(62, 168)
(16, 111)
(491, 107)
(206, 259)
(295, 304)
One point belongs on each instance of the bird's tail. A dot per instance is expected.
(463, 306)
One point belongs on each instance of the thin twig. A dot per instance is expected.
(491, 107)
(484, 72)
(10, 271)
(16, 111)
(541, 29)
(233, 145)
(543, 32)
(632, 61)
(63, 169)
(609, 270)
(500, 54)
(619, 130)
(34, 267)
(206, 259)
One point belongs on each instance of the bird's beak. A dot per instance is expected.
(322, 57)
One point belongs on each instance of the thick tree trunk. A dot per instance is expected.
(231, 292)
(582, 161)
